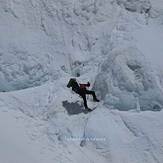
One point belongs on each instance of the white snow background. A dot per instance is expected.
(116, 45)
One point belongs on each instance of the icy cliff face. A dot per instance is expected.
(40, 39)
(126, 79)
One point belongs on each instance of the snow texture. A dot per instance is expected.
(116, 45)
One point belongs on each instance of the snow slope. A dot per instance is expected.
(51, 135)
(107, 42)
(16, 145)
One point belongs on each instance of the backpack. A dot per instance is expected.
(71, 81)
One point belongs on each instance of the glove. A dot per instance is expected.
(88, 84)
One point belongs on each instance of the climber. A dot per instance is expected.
(82, 91)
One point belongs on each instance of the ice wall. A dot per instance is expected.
(127, 81)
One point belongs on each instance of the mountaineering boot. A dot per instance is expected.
(96, 100)
(88, 109)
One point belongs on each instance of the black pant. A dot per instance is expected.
(83, 92)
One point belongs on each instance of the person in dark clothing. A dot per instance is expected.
(82, 91)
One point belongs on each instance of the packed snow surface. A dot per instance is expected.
(114, 44)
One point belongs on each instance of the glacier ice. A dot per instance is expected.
(126, 75)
